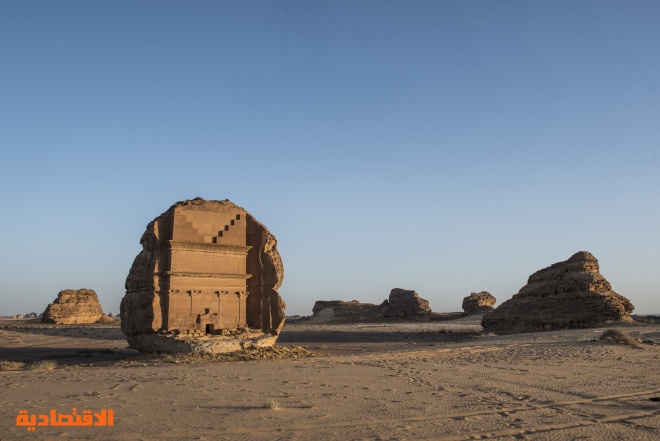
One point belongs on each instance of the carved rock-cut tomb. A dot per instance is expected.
(205, 281)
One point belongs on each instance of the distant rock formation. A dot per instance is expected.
(295, 317)
(352, 311)
(107, 320)
(400, 304)
(406, 304)
(570, 294)
(73, 307)
(205, 281)
(478, 303)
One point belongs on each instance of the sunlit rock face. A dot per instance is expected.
(407, 304)
(478, 303)
(401, 304)
(569, 294)
(73, 307)
(205, 281)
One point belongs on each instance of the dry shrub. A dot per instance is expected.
(11, 365)
(616, 335)
(271, 404)
(43, 365)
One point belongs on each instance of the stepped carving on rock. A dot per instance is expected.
(73, 307)
(570, 294)
(205, 281)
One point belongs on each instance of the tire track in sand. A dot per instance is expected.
(583, 421)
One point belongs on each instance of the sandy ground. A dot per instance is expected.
(377, 381)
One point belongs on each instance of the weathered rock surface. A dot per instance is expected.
(401, 303)
(73, 307)
(478, 303)
(406, 304)
(570, 294)
(205, 281)
(352, 311)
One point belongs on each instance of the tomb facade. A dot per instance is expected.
(205, 281)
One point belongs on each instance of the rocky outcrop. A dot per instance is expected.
(205, 281)
(401, 304)
(478, 303)
(73, 307)
(352, 311)
(406, 304)
(570, 294)
(107, 320)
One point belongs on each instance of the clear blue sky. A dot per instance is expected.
(440, 146)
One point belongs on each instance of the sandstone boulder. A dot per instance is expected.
(205, 281)
(73, 307)
(406, 304)
(569, 294)
(478, 303)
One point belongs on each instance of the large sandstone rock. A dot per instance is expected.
(406, 304)
(478, 303)
(400, 304)
(340, 311)
(205, 281)
(570, 294)
(73, 307)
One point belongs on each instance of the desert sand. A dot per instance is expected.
(440, 380)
